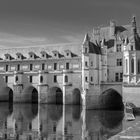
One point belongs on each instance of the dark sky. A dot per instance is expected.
(35, 22)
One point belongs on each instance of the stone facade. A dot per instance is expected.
(72, 73)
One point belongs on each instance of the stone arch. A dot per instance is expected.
(76, 96)
(31, 94)
(6, 95)
(55, 96)
(111, 99)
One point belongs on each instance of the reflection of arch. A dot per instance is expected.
(76, 112)
(35, 109)
(56, 95)
(111, 122)
(11, 96)
(32, 91)
(4, 111)
(76, 96)
(111, 99)
(6, 94)
(55, 112)
(25, 112)
(111, 119)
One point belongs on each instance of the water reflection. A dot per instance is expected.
(51, 122)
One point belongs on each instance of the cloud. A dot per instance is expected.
(12, 40)
(72, 38)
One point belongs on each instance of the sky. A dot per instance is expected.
(40, 22)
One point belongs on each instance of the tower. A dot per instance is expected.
(132, 56)
(104, 60)
(91, 67)
(112, 29)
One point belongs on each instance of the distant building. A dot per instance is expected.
(74, 73)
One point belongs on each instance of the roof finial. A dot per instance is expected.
(126, 41)
(103, 42)
(133, 22)
(87, 38)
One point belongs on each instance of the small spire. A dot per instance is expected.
(134, 26)
(134, 20)
(112, 23)
(103, 42)
(126, 41)
(87, 38)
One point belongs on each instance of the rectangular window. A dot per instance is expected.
(6, 79)
(91, 64)
(86, 79)
(18, 67)
(131, 47)
(16, 78)
(66, 78)
(30, 126)
(55, 78)
(65, 130)
(91, 79)
(31, 66)
(6, 67)
(121, 77)
(117, 77)
(54, 128)
(43, 66)
(118, 48)
(86, 63)
(119, 62)
(67, 65)
(41, 79)
(86, 50)
(55, 66)
(30, 79)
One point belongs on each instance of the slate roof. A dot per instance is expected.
(121, 32)
(94, 48)
(75, 48)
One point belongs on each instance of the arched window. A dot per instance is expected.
(41, 79)
(126, 66)
(132, 65)
(139, 66)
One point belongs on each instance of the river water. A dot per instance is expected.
(51, 122)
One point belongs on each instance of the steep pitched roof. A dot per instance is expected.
(137, 42)
(94, 48)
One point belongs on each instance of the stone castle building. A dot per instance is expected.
(75, 73)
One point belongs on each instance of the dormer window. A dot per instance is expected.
(8, 57)
(57, 54)
(32, 55)
(20, 56)
(44, 54)
(69, 54)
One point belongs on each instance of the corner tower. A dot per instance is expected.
(91, 71)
